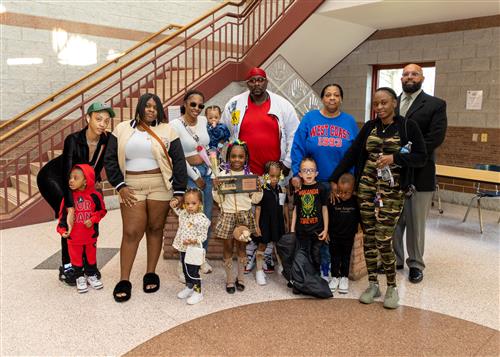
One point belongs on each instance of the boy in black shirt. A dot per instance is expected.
(344, 223)
(310, 212)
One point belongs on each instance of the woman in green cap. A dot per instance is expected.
(86, 146)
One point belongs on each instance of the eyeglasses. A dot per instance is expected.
(259, 80)
(308, 171)
(200, 106)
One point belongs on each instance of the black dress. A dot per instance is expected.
(271, 223)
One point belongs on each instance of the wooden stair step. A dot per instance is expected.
(11, 198)
(23, 182)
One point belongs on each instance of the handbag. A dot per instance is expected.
(194, 255)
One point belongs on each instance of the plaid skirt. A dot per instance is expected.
(228, 222)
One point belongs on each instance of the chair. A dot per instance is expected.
(437, 194)
(483, 194)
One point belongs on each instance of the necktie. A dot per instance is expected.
(404, 105)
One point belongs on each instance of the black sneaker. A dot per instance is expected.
(67, 275)
(268, 265)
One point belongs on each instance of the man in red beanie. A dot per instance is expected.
(264, 120)
(267, 123)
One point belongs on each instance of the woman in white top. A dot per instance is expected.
(193, 133)
(145, 163)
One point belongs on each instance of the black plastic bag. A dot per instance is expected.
(305, 278)
(286, 250)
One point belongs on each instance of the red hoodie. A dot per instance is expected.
(88, 204)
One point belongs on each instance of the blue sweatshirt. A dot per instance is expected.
(324, 139)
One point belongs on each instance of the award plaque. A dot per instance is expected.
(238, 184)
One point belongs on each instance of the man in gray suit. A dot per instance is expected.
(430, 114)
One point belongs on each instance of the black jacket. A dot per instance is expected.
(53, 178)
(357, 155)
(430, 114)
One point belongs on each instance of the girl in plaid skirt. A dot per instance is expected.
(236, 210)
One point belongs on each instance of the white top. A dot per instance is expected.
(191, 226)
(188, 142)
(138, 153)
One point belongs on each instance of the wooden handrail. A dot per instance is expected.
(106, 76)
(51, 98)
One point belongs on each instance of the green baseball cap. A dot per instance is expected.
(99, 107)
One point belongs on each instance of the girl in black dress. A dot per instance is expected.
(271, 215)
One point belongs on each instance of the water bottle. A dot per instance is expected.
(406, 149)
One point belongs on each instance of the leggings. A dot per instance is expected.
(191, 274)
(378, 227)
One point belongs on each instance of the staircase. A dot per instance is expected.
(207, 54)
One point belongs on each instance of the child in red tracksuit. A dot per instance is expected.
(89, 209)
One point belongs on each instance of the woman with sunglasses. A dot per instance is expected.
(193, 132)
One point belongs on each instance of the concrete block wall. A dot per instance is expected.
(123, 24)
(465, 60)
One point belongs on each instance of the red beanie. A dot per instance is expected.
(256, 71)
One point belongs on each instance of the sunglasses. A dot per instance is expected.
(200, 106)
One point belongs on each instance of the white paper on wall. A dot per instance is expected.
(474, 100)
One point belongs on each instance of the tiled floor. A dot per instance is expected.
(40, 316)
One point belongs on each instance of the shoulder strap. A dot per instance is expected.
(162, 144)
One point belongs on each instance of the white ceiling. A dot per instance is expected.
(386, 14)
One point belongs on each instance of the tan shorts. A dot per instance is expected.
(149, 187)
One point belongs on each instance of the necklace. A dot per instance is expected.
(385, 128)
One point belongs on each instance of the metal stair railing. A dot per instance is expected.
(168, 68)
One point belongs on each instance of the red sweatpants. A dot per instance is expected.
(76, 253)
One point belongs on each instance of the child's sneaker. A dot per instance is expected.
(185, 293)
(95, 282)
(391, 300)
(344, 285)
(268, 265)
(250, 263)
(370, 293)
(67, 275)
(195, 298)
(81, 285)
(334, 284)
(260, 277)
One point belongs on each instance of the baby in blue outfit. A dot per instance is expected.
(218, 132)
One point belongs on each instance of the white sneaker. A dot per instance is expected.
(180, 273)
(206, 268)
(260, 277)
(334, 284)
(81, 285)
(344, 285)
(185, 293)
(94, 282)
(195, 298)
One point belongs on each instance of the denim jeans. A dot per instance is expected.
(325, 251)
(207, 195)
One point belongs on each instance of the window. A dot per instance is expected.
(390, 76)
